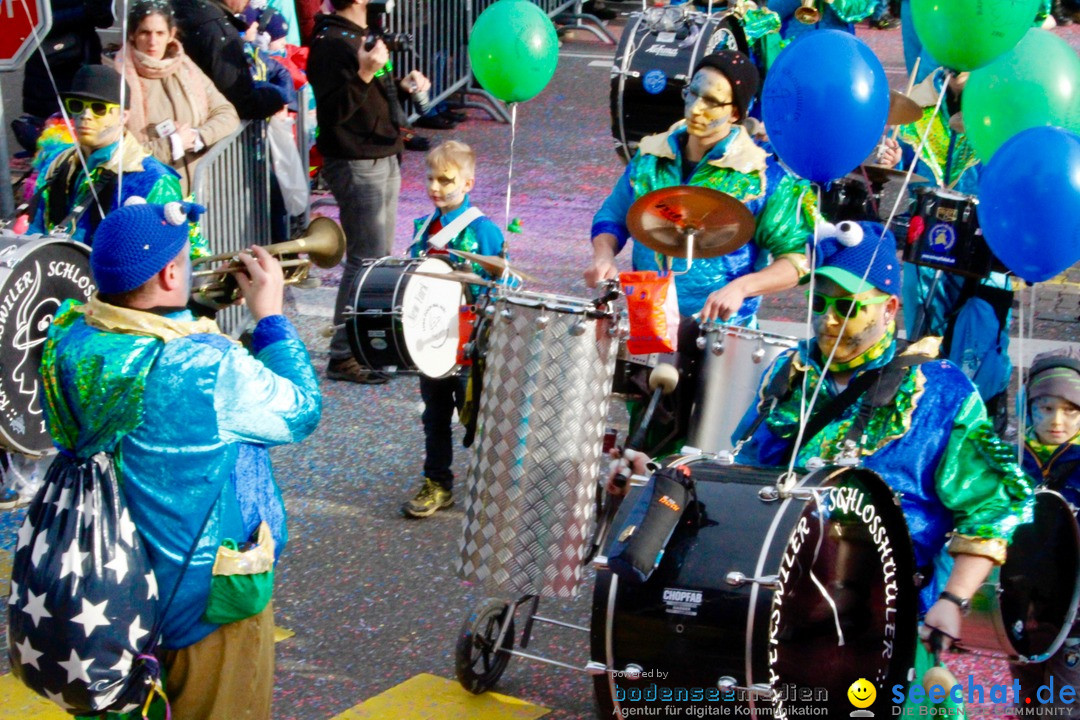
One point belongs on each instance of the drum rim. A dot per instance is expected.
(744, 333)
(546, 301)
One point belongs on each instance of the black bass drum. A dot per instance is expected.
(653, 63)
(771, 603)
(37, 274)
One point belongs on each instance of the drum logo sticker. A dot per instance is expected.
(682, 602)
(722, 39)
(654, 82)
(940, 242)
(661, 50)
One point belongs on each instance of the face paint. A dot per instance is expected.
(95, 132)
(708, 106)
(861, 332)
(1056, 420)
(446, 188)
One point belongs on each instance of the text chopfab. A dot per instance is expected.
(979, 693)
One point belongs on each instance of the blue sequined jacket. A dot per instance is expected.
(190, 415)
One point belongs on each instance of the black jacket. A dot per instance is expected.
(211, 37)
(357, 120)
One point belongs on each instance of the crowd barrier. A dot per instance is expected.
(233, 181)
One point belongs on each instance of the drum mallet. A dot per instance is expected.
(662, 381)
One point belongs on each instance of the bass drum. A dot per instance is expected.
(36, 275)
(773, 605)
(653, 63)
(402, 322)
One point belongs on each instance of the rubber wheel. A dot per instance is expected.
(479, 664)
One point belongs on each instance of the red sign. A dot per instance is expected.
(20, 20)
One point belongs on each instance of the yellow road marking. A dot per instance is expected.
(428, 697)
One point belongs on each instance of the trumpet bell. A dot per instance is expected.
(808, 13)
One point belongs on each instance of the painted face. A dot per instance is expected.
(95, 130)
(863, 329)
(708, 106)
(1056, 420)
(447, 188)
(153, 35)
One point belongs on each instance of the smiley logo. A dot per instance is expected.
(862, 693)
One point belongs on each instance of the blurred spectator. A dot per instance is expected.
(176, 112)
(71, 43)
(211, 34)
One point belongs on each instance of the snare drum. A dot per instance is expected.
(755, 593)
(944, 233)
(653, 63)
(36, 275)
(532, 480)
(1026, 608)
(735, 358)
(849, 198)
(401, 322)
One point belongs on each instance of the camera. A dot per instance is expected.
(377, 13)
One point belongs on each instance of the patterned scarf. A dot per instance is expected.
(871, 354)
(140, 68)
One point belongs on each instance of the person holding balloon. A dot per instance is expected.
(360, 137)
(710, 148)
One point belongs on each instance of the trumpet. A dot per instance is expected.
(322, 241)
(808, 13)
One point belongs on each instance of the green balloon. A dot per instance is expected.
(1036, 83)
(513, 49)
(967, 34)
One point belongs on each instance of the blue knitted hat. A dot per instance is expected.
(846, 249)
(134, 242)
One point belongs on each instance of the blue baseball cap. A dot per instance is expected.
(846, 249)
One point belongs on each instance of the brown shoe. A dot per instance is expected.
(349, 370)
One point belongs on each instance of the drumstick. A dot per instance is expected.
(910, 85)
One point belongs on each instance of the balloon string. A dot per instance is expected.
(510, 170)
(1021, 419)
(68, 121)
(123, 104)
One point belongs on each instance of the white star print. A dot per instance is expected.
(151, 586)
(135, 632)
(120, 565)
(72, 561)
(58, 698)
(41, 546)
(27, 654)
(127, 528)
(25, 533)
(76, 668)
(63, 501)
(123, 664)
(14, 597)
(92, 616)
(35, 607)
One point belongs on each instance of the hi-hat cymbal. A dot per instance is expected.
(902, 109)
(492, 263)
(956, 123)
(457, 276)
(882, 174)
(663, 219)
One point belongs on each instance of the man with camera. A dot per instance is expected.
(360, 121)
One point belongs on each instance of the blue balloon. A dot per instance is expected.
(825, 103)
(1029, 202)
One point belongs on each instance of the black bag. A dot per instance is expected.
(639, 546)
(83, 614)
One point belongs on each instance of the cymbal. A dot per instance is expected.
(881, 174)
(492, 263)
(902, 109)
(457, 276)
(663, 219)
(956, 123)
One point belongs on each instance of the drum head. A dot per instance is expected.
(36, 276)
(846, 607)
(429, 316)
(1040, 580)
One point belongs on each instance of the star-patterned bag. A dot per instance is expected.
(83, 612)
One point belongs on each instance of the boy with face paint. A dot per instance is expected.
(958, 485)
(1052, 457)
(710, 148)
(64, 198)
(454, 225)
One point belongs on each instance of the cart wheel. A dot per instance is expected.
(479, 664)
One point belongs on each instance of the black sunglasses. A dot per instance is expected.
(76, 106)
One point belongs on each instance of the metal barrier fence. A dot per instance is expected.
(440, 32)
(305, 133)
(233, 181)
